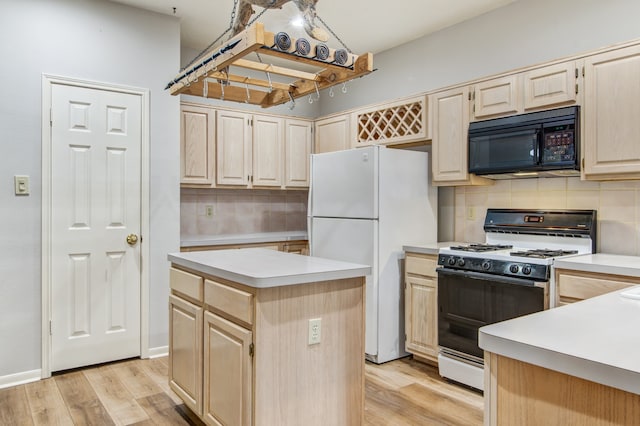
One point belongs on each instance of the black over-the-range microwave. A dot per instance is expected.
(544, 143)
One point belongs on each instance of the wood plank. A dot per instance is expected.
(157, 369)
(83, 403)
(117, 400)
(47, 405)
(14, 407)
(135, 379)
(163, 411)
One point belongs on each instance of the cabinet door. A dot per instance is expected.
(450, 124)
(297, 142)
(496, 97)
(185, 352)
(333, 134)
(268, 151)
(611, 137)
(233, 142)
(421, 316)
(227, 372)
(554, 85)
(197, 145)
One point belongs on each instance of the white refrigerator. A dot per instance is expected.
(364, 205)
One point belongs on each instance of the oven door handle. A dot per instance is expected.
(491, 277)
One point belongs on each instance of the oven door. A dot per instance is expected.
(470, 300)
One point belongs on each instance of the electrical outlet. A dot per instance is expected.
(208, 210)
(471, 213)
(315, 331)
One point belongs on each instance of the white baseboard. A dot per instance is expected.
(20, 378)
(158, 352)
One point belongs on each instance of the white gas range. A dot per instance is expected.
(508, 276)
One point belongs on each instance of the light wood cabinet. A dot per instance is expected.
(185, 337)
(499, 96)
(239, 355)
(449, 115)
(552, 85)
(292, 246)
(421, 306)
(298, 144)
(333, 134)
(249, 149)
(573, 286)
(197, 145)
(611, 132)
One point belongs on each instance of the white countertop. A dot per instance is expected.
(263, 237)
(602, 263)
(597, 339)
(262, 268)
(430, 248)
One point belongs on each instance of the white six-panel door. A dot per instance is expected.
(96, 140)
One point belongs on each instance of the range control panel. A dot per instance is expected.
(495, 267)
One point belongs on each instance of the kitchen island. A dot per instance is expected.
(261, 337)
(576, 364)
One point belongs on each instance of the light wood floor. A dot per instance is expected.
(136, 392)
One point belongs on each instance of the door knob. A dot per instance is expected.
(132, 239)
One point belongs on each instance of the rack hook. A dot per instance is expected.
(317, 91)
(293, 101)
(344, 87)
(331, 92)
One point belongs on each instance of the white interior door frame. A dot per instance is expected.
(47, 82)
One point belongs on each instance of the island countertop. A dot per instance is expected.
(602, 263)
(262, 268)
(596, 339)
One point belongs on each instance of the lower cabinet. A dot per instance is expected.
(228, 349)
(421, 306)
(573, 286)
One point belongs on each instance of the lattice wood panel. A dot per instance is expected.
(403, 121)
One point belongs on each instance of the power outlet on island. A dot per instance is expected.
(315, 331)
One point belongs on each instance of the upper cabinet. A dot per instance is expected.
(197, 145)
(551, 86)
(611, 112)
(333, 134)
(297, 145)
(226, 148)
(399, 122)
(449, 115)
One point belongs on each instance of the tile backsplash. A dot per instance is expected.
(240, 211)
(617, 203)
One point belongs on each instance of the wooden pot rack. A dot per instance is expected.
(210, 76)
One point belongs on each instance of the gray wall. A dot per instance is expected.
(523, 33)
(91, 40)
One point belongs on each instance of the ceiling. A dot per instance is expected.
(363, 25)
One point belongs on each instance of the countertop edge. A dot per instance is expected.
(279, 281)
(597, 372)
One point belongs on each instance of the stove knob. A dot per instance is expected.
(514, 269)
(486, 265)
(452, 261)
(461, 262)
(526, 269)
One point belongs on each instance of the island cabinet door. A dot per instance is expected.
(185, 352)
(227, 372)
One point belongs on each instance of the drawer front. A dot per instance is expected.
(421, 265)
(574, 287)
(232, 301)
(186, 283)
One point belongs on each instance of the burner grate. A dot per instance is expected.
(543, 253)
(482, 247)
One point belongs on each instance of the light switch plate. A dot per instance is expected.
(21, 183)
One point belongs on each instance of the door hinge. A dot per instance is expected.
(576, 88)
(50, 328)
(50, 118)
(251, 350)
(583, 71)
(576, 72)
(582, 163)
(469, 95)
